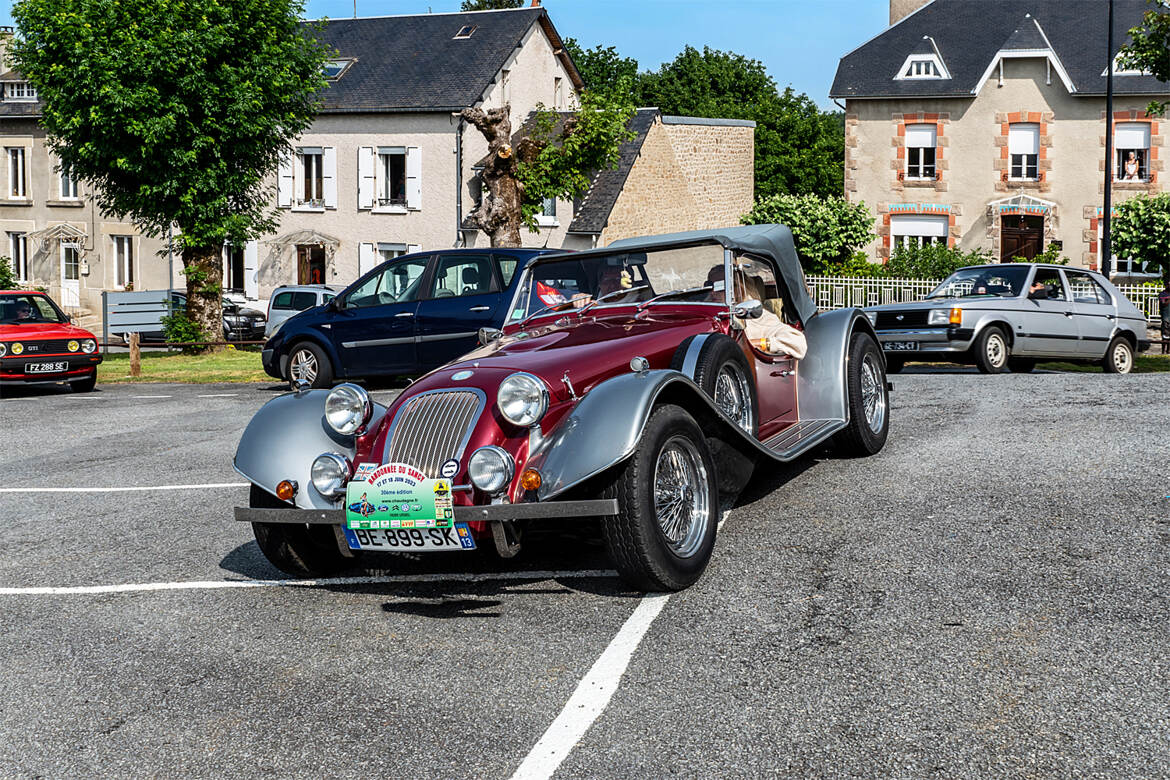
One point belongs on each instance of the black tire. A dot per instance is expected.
(991, 351)
(1021, 365)
(85, 385)
(644, 556)
(309, 361)
(868, 399)
(299, 550)
(1119, 357)
(724, 373)
(895, 365)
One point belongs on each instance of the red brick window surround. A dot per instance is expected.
(919, 143)
(1136, 145)
(892, 213)
(1027, 165)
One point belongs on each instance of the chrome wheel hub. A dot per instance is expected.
(303, 366)
(733, 396)
(873, 394)
(682, 500)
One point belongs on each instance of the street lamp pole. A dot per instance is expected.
(1106, 238)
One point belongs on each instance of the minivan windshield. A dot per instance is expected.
(1001, 281)
(692, 274)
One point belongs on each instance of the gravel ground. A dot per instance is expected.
(985, 598)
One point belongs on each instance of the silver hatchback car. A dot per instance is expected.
(1010, 315)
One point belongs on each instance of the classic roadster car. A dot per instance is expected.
(1009, 315)
(623, 390)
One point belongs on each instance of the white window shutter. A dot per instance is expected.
(251, 269)
(412, 248)
(367, 258)
(413, 177)
(366, 181)
(329, 176)
(284, 181)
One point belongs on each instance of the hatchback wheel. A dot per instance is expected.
(992, 351)
(1119, 357)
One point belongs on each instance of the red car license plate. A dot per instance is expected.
(900, 346)
(45, 368)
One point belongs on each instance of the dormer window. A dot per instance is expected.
(333, 69)
(465, 31)
(19, 90)
(1122, 70)
(922, 66)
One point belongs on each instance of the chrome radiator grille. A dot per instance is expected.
(432, 428)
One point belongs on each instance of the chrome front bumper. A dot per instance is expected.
(544, 510)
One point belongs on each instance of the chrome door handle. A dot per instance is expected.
(404, 314)
(1067, 313)
(480, 308)
(785, 372)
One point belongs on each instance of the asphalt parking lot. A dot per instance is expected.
(985, 598)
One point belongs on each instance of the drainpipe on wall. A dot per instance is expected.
(459, 183)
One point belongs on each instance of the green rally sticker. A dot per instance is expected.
(397, 495)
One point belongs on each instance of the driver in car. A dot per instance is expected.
(767, 333)
(23, 310)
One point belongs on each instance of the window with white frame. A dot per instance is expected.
(123, 261)
(71, 262)
(311, 184)
(307, 179)
(67, 186)
(548, 213)
(16, 173)
(1131, 140)
(922, 66)
(505, 90)
(18, 252)
(921, 142)
(908, 230)
(558, 93)
(19, 90)
(1024, 149)
(391, 176)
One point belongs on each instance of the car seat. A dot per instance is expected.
(471, 280)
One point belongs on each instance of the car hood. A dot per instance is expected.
(589, 349)
(943, 303)
(45, 330)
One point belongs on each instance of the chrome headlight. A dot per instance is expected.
(329, 473)
(490, 469)
(872, 315)
(3, 349)
(522, 399)
(89, 345)
(938, 317)
(348, 408)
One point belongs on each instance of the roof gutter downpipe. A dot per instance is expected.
(459, 182)
(1106, 238)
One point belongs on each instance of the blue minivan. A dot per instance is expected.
(406, 316)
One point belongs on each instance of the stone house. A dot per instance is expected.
(982, 125)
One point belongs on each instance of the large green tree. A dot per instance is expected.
(1141, 231)
(489, 5)
(176, 112)
(826, 231)
(602, 68)
(799, 148)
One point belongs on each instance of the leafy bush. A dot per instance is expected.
(1051, 255)
(932, 261)
(179, 328)
(7, 274)
(1141, 231)
(825, 230)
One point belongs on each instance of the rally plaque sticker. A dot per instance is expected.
(397, 495)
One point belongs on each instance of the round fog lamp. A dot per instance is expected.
(329, 473)
(348, 408)
(73, 345)
(490, 469)
(522, 399)
(530, 479)
(17, 348)
(286, 490)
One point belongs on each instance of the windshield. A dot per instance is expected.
(1005, 281)
(689, 274)
(20, 308)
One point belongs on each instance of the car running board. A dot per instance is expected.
(801, 437)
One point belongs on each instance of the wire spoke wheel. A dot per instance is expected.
(872, 396)
(682, 500)
(733, 395)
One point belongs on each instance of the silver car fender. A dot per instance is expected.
(823, 375)
(283, 439)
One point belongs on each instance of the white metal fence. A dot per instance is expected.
(837, 292)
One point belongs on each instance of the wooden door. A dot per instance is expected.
(1021, 238)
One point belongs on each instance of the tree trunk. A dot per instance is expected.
(499, 213)
(203, 267)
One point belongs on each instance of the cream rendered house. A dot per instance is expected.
(981, 124)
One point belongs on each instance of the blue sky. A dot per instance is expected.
(799, 41)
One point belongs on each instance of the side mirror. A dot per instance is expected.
(751, 309)
(332, 304)
(488, 335)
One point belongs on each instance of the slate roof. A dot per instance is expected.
(414, 63)
(598, 201)
(969, 33)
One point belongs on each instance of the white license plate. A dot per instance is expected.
(410, 539)
(45, 368)
(900, 346)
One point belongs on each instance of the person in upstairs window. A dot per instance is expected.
(1132, 167)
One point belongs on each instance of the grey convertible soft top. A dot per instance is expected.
(774, 241)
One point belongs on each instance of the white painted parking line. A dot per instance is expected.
(209, 486)
(218, 395)
(146, 587)
(152, 396)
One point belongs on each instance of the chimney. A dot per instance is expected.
(535, 4)
(900, 9)
(6, 33)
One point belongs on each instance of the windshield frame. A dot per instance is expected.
(523, 290)
(62, 317)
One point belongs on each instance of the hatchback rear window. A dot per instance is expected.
(282, 301)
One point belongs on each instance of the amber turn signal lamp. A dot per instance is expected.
(286, 490)
(956, 316)
(530, 479)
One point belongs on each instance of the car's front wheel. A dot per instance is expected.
(1119, 357)
(668, 505)
(992, 351)
(310, 363)
(295, 548)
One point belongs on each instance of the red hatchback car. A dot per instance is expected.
(38, 345)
